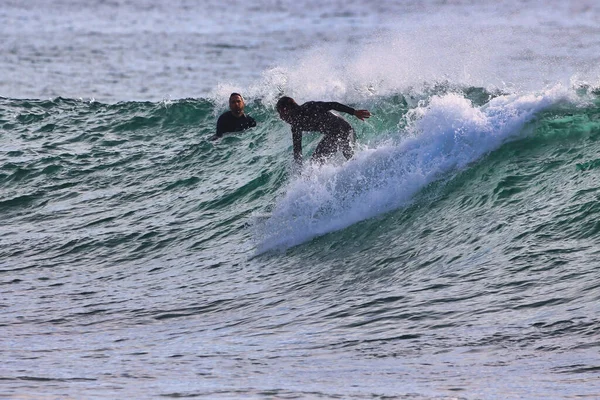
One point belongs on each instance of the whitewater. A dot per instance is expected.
(453, 257)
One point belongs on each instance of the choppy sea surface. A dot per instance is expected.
(456, 256)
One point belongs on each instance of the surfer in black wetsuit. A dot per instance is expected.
(234, 120)
(315, 116)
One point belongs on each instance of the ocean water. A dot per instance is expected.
(454, 257)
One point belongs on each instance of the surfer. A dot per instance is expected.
(234, 120)
(315, 116)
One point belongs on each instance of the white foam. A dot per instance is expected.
(445, 135)
(513, 47)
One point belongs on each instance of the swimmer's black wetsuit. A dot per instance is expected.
(227, 122)
(314, 116)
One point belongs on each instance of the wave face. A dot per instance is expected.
(461, 208)
(441, 137)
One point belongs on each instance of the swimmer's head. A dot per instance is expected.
(236, 104)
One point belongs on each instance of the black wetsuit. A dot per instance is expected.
(315, 116)
(227, 122)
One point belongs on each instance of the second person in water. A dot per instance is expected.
(234, 120)
(315, 116)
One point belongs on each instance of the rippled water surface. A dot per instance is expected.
(454, 257)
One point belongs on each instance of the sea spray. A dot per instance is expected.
(444, 135)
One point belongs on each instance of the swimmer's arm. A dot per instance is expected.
(221, 129)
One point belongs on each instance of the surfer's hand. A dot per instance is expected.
(362, 114)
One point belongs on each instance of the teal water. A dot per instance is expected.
(454, 257)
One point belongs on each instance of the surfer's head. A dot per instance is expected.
(236, 104)
(284, 106)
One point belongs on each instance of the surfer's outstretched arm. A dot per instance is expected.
(362, 114)
(334, 105)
